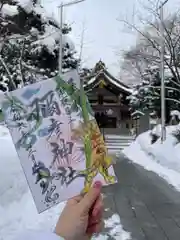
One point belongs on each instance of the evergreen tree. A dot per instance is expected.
(29, 44)
(85, 74)
(147, 94)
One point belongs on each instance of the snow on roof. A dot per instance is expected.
(114, 82)
(9, 10)
(137, 112)
(175, 113)
(119, 85)
(152, 114)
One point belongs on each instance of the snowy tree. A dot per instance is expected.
(85, 73)
(147, 50)
(147, 94)
(144, 61)
(29, 44)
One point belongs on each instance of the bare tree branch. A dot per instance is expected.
(150, 41)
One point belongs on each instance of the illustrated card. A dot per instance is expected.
(59, 144)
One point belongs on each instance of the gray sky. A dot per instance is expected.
(103, 32)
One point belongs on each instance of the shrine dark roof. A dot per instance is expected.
(100, 74)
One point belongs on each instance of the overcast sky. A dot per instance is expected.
(103, 34)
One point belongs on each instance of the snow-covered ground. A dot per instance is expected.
(163, 159)
(17, 209)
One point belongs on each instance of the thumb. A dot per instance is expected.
(90, 197)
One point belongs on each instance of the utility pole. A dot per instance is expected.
(163, 116)
(61, 7)
(61, 39)
(80, 54)
(82, 42)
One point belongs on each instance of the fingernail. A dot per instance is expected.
(97, 184)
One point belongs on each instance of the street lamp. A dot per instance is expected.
(163, 126)
(61, 27)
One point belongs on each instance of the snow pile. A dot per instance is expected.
(17, 210)
(163, 159)
(115, 229)
(16, 204)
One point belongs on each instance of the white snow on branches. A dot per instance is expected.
(9, 10)
(50, 39)
(27, 5)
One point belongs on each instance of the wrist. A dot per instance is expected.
(64, 237)
(60, 233)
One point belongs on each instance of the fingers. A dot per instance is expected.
(74, 200)
(90, 198)
(95, 228)
(95, 223)
(95, 220)
(98, 206)
(97, 212)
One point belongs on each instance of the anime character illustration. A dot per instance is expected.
(99, 160)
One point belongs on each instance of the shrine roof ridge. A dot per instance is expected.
(110, 78)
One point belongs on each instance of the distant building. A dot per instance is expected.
(108, 98)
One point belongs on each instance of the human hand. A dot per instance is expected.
(82, 216)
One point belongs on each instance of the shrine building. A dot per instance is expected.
(108, 98)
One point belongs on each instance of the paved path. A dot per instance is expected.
(148, 207)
